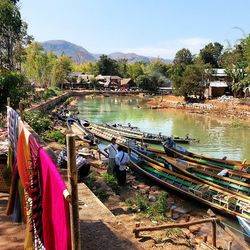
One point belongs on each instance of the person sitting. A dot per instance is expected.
(224, 173)
(82, 162)
(121, 160)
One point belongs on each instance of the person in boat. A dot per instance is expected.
(224, 173)
(82, 162)
(121, 161)
(170, 143)
(111, 150)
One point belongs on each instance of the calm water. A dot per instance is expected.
(218, 137)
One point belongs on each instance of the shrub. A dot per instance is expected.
(111, 181)
(38, 122)
(50, 92)
(56, 135)
(13, 85)
(160, 207)
(140, 200)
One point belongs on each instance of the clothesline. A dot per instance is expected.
(37, 189)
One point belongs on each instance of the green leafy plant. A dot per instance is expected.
(39, 123)
(140, 201)
(111, 181)
(101, 194)
(55, 135)
(90, 180)
(159, 207)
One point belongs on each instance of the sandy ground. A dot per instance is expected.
(231, 108)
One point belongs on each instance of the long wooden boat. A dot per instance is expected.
(245, 224)
(81, 133)
(143, 136)
(180, 152)
(147, 137)
(233, 186)
(222, 200)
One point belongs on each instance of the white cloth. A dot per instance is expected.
(121, 159)
(112, 150)
(223, 172)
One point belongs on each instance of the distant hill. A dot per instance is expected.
(81, 55)
(77, 53)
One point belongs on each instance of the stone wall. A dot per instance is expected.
(51, 103)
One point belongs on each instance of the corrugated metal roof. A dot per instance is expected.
(218, 84)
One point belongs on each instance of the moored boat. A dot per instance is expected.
(217, 198)
(179, 152)
(151, 138)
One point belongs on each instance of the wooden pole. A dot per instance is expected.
(72, 179)
(214, 233)
(8, 101)
(236, 238)
(173, 225)
(21, 110)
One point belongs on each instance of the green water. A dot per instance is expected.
(218, 137)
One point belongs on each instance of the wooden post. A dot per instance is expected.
(229, 245)
(21, 110)
(8, 101)
(214, 233)
(72, 179)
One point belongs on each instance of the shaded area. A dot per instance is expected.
(11, 234)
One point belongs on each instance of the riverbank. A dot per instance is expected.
(221, 107)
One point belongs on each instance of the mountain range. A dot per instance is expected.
(81, 55)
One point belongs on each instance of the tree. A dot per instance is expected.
(61, 68)
(183, 56)
(14, 85)
(10, 33)
(211, 54)
(123, 67)
(194, 80)
(107, 66)
(135, 70)
(148, 82)
(38, 64)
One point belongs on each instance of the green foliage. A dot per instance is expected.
(140, 200)
(135, 70)
(61, 68)
(155, 210)
(111, 181)
(55, 135)
(90, 180)
(13, 85)
(38, 64)
(50, 92)
(160, 207)
(183, 56)
(107, 66)
(211, 53)
(101, 194)
(45, 68)
(10, 33)
(39, 123)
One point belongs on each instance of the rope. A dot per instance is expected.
(236, 229)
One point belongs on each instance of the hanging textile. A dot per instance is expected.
(55, 219)
(36, 191)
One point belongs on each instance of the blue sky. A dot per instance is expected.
(146, 27)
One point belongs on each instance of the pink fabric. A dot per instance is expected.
(55, 217)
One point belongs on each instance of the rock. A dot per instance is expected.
(154, 188)
(195, 228)
(101, 184)
(151, 198)
(143, 188)
(186, 232)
